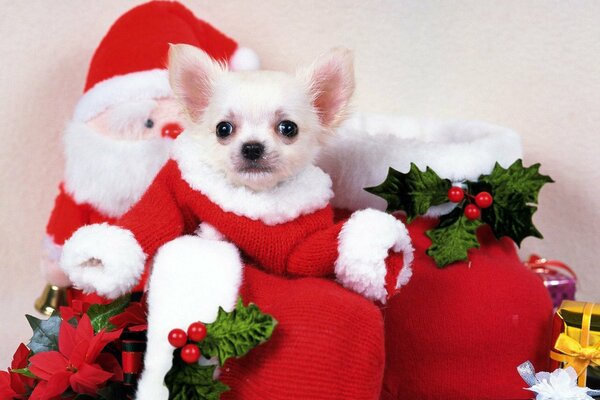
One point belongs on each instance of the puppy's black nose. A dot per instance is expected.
(252, 150)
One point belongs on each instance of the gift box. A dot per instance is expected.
(559, 279)
(577, 341)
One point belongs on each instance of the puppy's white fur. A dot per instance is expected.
(315, 98)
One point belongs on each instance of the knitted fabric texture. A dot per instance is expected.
(328, 344)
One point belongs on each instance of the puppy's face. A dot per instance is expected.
(260, 127)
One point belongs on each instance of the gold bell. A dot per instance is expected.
(51, 299)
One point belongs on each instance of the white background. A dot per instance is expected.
(531, 65)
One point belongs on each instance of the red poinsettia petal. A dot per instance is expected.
(20, 357)
(66, 338)
(39, 391)
(46, 364)
(85, 331)
(88, 379)
(6, 391)
(109, 363)
(67, 313)
(79, 351)
(135, 314)
(57, 385)
(99, 342)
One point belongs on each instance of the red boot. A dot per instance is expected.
(461, 331)
(329, 343)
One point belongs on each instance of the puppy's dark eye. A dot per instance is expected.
(149, 123)
(288, 128)
(224, 129)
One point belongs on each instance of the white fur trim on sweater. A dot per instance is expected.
(244, 59)
(364, 242)
(363, 149)
(143, 85)
(304, 193)
(110, 174)
(121, 256)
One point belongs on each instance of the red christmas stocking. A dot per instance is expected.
(461, 331)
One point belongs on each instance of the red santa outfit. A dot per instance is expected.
(105, 175)
(288, 230)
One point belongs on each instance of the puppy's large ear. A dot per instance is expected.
(192, 74)
(331, 84)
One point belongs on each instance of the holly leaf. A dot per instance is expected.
(452, 238)
(193, 382)
(101, 314)
(413, 192)
(235, 333)
(515, 191)
(45, 333)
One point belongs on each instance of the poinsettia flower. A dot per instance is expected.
(19, 382)
(559, 385)
(6, 390)
(14, 385)
(134, 318)
(77, 309)
(76, 364)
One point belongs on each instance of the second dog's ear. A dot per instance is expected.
(192, 74)
(331, 85)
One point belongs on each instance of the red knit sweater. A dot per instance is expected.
(305, 246)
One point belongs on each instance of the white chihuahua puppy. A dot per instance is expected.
(257, 130)
(261, 127)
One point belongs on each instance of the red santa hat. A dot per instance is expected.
(129, 64)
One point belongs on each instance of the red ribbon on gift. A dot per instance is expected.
(539, 264)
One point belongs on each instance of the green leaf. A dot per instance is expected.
(235, 333)
(452, 239)
(193, 382)
(413, 192)
(25, 372)
(45, 333)
(515, 191)
(100, 314)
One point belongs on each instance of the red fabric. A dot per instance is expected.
(139, 40)
(460, 332)
(328, 343)
(67, 216)
(305, 246)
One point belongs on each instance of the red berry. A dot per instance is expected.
(472, 212)
(456, 194)
(197, 331)
(484, 199)
(177, 337)
(190, 353)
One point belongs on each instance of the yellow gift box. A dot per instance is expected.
(577, 342)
